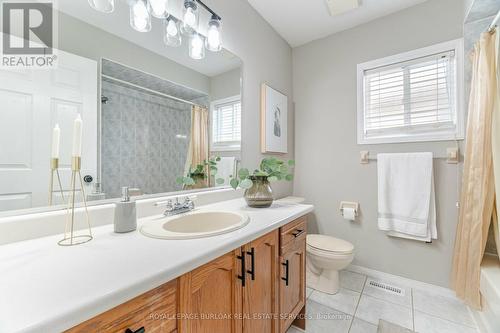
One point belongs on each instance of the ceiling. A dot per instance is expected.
(117, 23)
(300, 22)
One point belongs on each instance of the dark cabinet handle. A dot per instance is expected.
(140, 330)
(286, 264)
(243, 269)
(298, 232)
(251, 271)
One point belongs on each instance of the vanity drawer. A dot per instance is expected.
(292, 233)
(155, 311)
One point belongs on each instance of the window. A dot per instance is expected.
(414, 96)
(226, 124)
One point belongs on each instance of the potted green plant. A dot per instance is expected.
(197, 176)
(257, 185)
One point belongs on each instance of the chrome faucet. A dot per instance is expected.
(176, 208)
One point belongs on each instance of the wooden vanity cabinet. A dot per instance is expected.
(239, 291)
(257, 288)
(293, 270)
(152, 312)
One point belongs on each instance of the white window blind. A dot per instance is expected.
(226, 124)
(414, 99)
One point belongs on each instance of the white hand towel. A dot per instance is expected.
(406, 204)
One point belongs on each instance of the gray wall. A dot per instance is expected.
(225, 85)
(327, 155)
(266, 58)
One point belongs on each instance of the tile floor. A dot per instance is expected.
(358, 306)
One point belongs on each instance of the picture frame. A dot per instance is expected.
(274, 120)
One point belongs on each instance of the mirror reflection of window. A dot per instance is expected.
(226, 124)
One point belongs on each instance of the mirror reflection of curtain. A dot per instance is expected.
(478, 188)
(198, 143)
(496, 144)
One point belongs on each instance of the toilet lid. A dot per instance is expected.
(330, 244)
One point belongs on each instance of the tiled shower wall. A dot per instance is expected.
(145, 140)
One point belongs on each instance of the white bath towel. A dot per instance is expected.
(406, 203)
(225, 168)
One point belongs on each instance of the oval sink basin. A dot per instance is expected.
(194, 225)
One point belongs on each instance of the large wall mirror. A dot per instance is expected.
(153, 118)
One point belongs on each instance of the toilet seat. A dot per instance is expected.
(327, 245)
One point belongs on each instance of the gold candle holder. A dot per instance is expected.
(70, 237)
(54, 169)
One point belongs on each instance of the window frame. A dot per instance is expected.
(459, 133)
(230, 146)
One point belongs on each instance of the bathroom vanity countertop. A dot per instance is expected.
(49, 288)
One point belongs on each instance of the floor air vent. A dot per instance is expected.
(387, 287)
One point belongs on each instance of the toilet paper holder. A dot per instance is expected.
(349, 204)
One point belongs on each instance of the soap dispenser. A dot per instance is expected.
(125, 213)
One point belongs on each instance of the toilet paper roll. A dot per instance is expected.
(349, 213)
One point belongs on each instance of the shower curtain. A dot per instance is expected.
(478, 187)
(198, 143)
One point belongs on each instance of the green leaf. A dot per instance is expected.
(179, 180)
(218, 158)
(291, 163)
(273, 179)
(219, 181)
(234, 183)
(188, 181)
(213, 168)
(243, 173)
(246, 183)
(289, 177)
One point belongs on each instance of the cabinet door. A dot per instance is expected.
(210, 297)
(292, 287)
(261, 292)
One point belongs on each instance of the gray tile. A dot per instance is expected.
(443, 307)
(387, 295)
(351, 280)
(308, 292)
(425, 323)
(361, 326)
(345, 300)
(322, 319)
(372, 309)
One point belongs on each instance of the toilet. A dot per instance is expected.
(326, 256)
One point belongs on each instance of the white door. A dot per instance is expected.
(31, 103)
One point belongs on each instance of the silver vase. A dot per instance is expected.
(260, 195)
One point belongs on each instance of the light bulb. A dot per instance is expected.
(140, 19)
(190, 17)
(172, 28)
(171, 35)
(196, 49)
(213, 41)
(159, 8)
(105, 6)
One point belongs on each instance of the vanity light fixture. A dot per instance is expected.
(213, 41)
(105, 6)
(159, 8)
(190, 17)
(140, 19)
(171, 32)
(196, 47)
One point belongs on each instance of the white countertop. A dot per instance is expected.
(48, 288)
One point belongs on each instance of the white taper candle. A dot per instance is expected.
(77, 136)
(56, 136)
